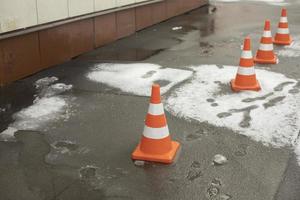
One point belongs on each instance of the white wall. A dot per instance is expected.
(17, 14)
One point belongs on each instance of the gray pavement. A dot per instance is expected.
(105, 124)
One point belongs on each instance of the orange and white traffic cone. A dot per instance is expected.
(282, 36)
(265, 53)
(246, 77)
(156, 144)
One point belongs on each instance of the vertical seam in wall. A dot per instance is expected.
(94, 26)
(38, 33)
(40, 52)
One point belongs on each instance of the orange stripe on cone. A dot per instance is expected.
(265, 53)
(156, 144)
(246, 77)
(283, 36)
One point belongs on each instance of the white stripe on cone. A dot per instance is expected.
(246, 71)
(283, 31)
(267, 34)
(156, 109)
(246, 54)
(283, 19)
(156, 133)
(266, 47)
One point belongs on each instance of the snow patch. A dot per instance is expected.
(292, 50)
(48, 106)
(45, 81)
(137, 78)
(269, 116)
(177, 28)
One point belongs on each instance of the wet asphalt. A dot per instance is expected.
(105, 123)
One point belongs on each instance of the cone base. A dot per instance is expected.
(237, 88)
(278, 42)
(167, 158)
(264, 61)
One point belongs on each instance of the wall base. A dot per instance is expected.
(24, 55)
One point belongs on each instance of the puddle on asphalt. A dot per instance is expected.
(66, 145)
(9, 101)
(119, 55)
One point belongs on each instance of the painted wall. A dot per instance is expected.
(18, 14)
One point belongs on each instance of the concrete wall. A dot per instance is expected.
(29, 53)
(18, 14)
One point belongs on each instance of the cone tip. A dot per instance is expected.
(247, 43)
(283, 12)
(267, 25)
(155, 94)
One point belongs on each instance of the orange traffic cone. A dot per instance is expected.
(282, 36)
(265, 53)
(246, 78)
(156, 144)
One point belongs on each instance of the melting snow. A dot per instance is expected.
(137, 78)
(269, 116)
(292, 50)
(48, 106)
(45, 81)
(177, 28)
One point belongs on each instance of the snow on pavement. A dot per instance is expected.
(269, 116)
(137, 78)
(48, 106)
(292, 50)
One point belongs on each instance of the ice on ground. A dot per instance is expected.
(269, 116)
(55, 89)
(220, 159)
(292, 50)
(43, 82)
(137, 78)
(48, 106)
(43, 110)
(177, 28)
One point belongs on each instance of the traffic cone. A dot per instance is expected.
(265, 53)
(246, 77)
(282, 36)
(156, 144)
